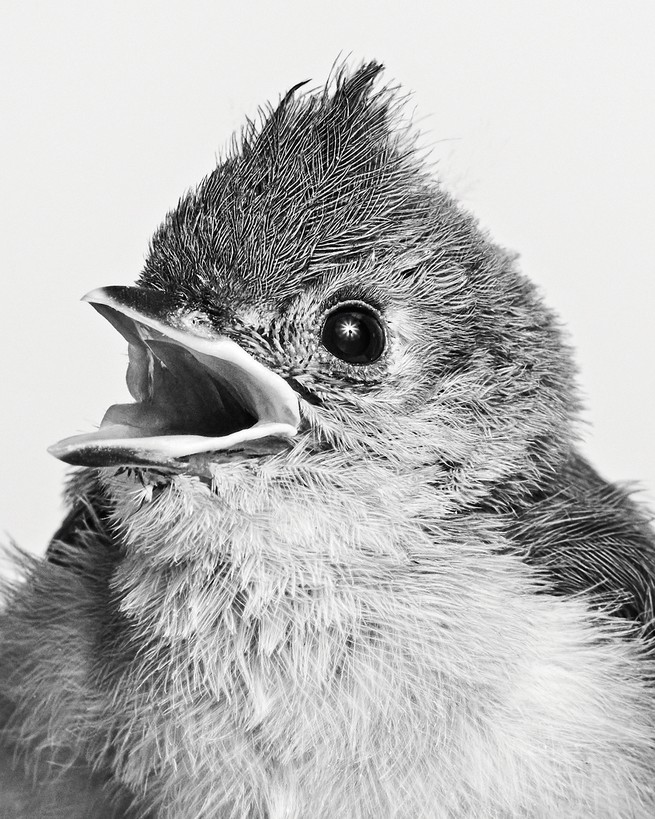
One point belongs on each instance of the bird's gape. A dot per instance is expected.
(176, 395)
(195, 391)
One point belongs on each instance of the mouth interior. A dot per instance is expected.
(174, 394)
(194, 392)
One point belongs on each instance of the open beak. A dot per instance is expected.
(195, 391)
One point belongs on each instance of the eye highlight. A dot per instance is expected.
(354, 333)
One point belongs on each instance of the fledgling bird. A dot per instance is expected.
(339, 558)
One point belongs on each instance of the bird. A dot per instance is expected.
(340, 556)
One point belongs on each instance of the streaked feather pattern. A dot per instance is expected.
(426, 606)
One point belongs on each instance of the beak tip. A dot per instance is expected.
(94, 296)
(56, 451)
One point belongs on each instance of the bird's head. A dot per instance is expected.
(318, 296)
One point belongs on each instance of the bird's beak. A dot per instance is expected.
(195, 391)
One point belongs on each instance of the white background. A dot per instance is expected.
(542, 117)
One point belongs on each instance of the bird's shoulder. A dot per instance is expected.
(86, 523)
(588, 536)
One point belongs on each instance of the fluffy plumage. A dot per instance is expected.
(423, 603)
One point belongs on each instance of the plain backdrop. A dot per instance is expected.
(541, 116)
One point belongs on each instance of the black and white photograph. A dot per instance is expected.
(328, 466)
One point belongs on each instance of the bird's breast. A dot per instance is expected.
(309, 643)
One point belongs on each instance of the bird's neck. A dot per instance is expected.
(261, 545)
(266, 581)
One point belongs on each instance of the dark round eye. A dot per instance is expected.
(353, 333)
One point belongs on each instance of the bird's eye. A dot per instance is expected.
(354, 333)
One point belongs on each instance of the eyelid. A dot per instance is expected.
(355, 304)
(351, 294)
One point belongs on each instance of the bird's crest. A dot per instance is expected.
(322, 178)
